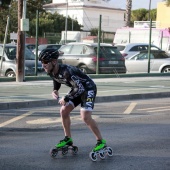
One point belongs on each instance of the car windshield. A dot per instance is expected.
(108, 52)
(12, 50)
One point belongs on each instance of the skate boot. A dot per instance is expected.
(66, 141)
(100, 150)
(63, 146)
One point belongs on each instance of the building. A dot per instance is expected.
(87, 13)
(163, 15)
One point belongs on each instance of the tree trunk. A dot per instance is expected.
(128, 12)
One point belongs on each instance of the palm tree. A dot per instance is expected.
(168, 3)
(128, 13)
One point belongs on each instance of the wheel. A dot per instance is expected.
(53, 152)
(10, 74)
(93, 156)
(166, 69)
(74, 149)
(64, 151)
(101, 154)
(83, 68)
(109, 151)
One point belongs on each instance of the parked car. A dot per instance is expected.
(159, 62)
(30, 46)
(9, 61)
(47, 46)
(128, 50)
(168, 49)
(84, 56)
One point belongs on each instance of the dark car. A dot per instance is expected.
(84, 56)
(9, 61)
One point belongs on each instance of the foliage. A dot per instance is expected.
(168, 3)
(94, 31)
(143, 15)
(47, 22)
(5, 3)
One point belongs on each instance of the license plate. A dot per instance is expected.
(113, 62)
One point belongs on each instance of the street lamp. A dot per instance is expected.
(66, 21)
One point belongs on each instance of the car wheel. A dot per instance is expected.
(166, 69)
(83, 68)
(10, 74)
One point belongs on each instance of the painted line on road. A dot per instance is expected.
(161, 110)
(16, 119)
(43, 121)
(130, 108)
(153, 108)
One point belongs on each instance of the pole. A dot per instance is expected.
(72, 24)
(149, 49)
(66, 22)
(20, 46)
(36, 52)
(5, 38)
(24, 17)
(149, 10)
(98, 47)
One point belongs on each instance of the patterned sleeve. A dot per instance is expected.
(56, 85)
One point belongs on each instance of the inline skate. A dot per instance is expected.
(101, 150)
(64, 146)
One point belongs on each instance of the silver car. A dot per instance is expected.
(159, 62)
(128, 50)
(9, 61)
(84, 56)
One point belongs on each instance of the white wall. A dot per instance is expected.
(89, 17)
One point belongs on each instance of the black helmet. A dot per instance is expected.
(48, 54)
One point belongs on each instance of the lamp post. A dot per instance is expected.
(66, 21)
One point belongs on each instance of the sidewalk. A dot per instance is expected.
(15, 95)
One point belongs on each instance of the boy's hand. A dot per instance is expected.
(62, 101)
(55, 94)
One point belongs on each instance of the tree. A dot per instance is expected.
(128, 12)
(5, 3)
(168, 3)
(139, 14)
(143, 15)
(48, 22)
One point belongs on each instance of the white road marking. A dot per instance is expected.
(44, 121)
(153, 108)
(158, 110)
(130, 108)
(16, 119)
(50, 120)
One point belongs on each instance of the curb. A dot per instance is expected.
(99, 99)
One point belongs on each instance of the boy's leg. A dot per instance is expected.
(91, 123)
(65, 117)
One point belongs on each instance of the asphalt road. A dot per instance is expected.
(138, 131)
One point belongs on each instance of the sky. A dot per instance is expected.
(136, 4)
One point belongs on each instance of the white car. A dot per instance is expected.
(159, 62)
(128, 50)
